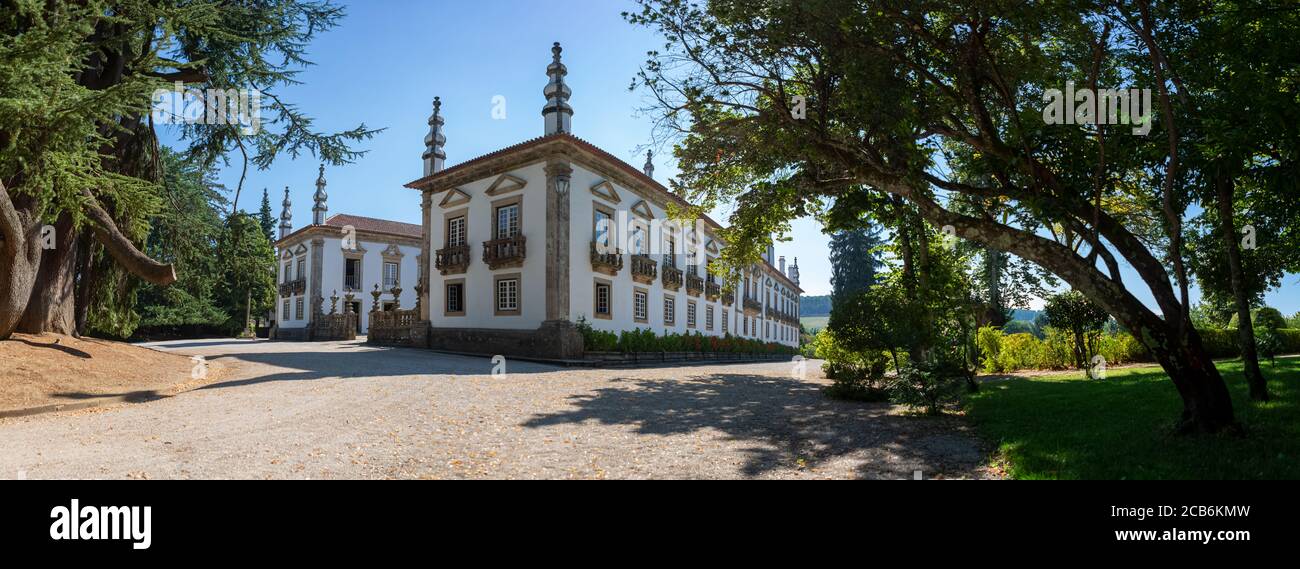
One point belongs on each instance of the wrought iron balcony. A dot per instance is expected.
(672, 277)
(294, 287)
(728, 298)
(609, 263)
(452, 260)
(644, 269)
(507, 252)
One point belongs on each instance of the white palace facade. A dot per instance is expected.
(552, 231)
(519, 245)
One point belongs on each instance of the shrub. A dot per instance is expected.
(1020, 327)
(927, 387)
(854, 375)
(988, 340)
(594, 340)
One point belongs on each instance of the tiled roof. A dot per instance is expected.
(361, 223)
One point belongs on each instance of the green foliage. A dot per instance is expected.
(855, 375)
(928, 387)
(1020, 327)
(1080, 316)
(1002, 353)
(266, 218)
(854, 256)
(246, 265)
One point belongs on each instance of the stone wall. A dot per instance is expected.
(558, 340)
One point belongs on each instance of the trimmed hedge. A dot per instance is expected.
(1222, 342)
(645, 340)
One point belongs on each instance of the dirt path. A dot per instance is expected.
(348, 410)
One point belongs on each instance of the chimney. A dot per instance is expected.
(434, 156)
(649, 167)
(319, 210)
(781, 264)
(557, 112)
(286, 216)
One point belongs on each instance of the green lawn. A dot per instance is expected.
(1121, 427)
(814, 323)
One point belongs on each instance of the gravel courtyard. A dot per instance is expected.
(348, 410)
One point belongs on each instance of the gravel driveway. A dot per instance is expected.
(348, 410)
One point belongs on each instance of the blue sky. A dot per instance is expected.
(388, 59)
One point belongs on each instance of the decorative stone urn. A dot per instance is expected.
(347, 300)
(334, 301)
(376, 294)
(397, 295)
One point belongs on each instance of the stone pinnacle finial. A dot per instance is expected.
(649, 165)
(557, 113)
(321, 208)
(434, 155)
(286, 215)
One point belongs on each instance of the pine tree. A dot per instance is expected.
(854, 261)
(265, 219)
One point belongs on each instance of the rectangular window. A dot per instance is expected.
(638, 240)
(508, 295)
(670, 253)
(602, 223)
(288, 272)
(352, 274)
(390, 276)
(690, 314)
(298, 309)
(302, 267)
(456, 298)
(284, 313)
(708, 318)
(603, 308)
(507, 221)
(640, 308)
(670, 311)
(456, 231)
(725, 324)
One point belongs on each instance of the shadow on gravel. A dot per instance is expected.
(368, 362)
(789, 423)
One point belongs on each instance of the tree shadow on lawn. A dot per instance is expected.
(787, 424)
(1122, 427)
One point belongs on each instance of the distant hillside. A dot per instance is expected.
(815, 305)
(1018, 314)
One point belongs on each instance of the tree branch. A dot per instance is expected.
(122, 250)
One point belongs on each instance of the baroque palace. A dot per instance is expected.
(518, 245)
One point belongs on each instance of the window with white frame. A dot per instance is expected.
(507, 221)
(640, 306)
(508, 295)
(390, 275)
(302, 267)
(708, 318)
(690, 314)
(284, 311)
(298, 309)
(725, 318)
(456, 231)
(601, 225)
(670, 311)
(288, 272)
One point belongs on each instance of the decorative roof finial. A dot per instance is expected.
(557, 112)
(649, 166)
(286, 216)
(319, 210)
(434, 155)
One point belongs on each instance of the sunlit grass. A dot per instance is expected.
(1121, 427)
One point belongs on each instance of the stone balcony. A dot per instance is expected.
(712, 290)
(644, 269)
(752, 305)
(507, 252)
(694, 285)
(609, 263)
(452, 260)
(672, 278)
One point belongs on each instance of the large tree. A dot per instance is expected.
(854, 261)
(78, 149)
(782, 105)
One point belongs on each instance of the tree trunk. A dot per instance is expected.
(1245, 328)
(52, 305)
(20, 257)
